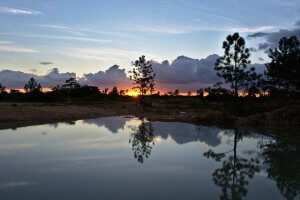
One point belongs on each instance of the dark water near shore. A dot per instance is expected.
(128, 158)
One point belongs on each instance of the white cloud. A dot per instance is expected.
(106, 54)
(189, 28)
(7, 46)
(251, 29)
(18, 11)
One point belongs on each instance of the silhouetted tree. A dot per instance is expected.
(232, 177)
(200, 92)
(32, 86)
(143, 76)
(114, 91)
(283, 72)
(283, 161)
(122, 92)
(71, 83)
(232, 67)
(142, 140)
(2, 89)
(189, 93)
(176, 93)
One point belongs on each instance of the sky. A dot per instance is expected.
(93, 35)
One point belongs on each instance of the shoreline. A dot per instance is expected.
(17, 115)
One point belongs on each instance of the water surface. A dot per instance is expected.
(129, 158)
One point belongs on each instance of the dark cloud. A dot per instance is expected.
(272, 38)
(113, 124)
(253, 49)
(261, 59)
(185, 70)
(16, 79)
(46, 63)
(114, 76)
(258, 34)
(263, 46)
(184, 73)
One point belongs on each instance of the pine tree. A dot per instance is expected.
(283, 71)
(143, 76)
(233, 66)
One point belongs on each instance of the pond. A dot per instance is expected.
(130, 158)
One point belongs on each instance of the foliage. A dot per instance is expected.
(114, 91)
(143, 76)
(282, 160)
(2, 89)
(142, 141)
(232, 67)
(283, 72)
(232, 176)
(32, 86)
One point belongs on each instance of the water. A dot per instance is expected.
(128, 158)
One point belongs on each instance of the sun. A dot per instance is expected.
(133, 93)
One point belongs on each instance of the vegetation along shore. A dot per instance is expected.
(244, 98)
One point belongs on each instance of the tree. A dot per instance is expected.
(143, 76)
(283, 72)
(176, 93)
(114, 91)
(282, 162)
(122, 93)
(232, 67)
(142, 140)
(233, 177)
(71, 83)
(2, 89)
(200, 92)
(105, 91)
(189, 93)
(32, 86)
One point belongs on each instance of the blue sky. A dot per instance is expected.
(92, 35)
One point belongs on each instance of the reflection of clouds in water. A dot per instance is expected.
(183, 133)
(15, 184)
(57, 124)
(113, 124)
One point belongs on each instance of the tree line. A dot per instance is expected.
(279, 80)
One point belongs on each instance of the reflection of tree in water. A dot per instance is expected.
(142, 140)
(283, 166)
(235, 172)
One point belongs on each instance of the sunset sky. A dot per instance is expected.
(93, 35)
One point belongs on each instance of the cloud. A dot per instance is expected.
(84, 31)
(251, 29)
(183, 73)
(18, 11)
(85, 39)
(189, 28)
(184, 70)
(272, 38)
(8, 47)
(46, 63)
(114, 76)
(33, 70)
(107, 54)
(63, 29)
(15, 184)
(17, 79)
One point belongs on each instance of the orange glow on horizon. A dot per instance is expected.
(133, 93)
